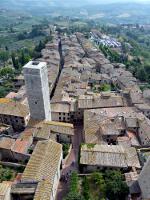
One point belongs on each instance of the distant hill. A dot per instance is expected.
(23, 4)
(123, 13)
(26, 4)
(112, 13)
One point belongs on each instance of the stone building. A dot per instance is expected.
(41, 176)
(144, 181)
(15, 150)
(14, 113)
(54, 130)
(144, 108)
(144, 132)
(61, 132)
(37, 87)
(95, 157)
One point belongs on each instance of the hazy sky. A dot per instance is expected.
(92, 2)
(99, 1)
(113, 1)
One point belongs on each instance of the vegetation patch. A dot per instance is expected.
(102, 88)
(74, 190)
(135, 50)
(90, 146)
(6, 174)
(65, 149)
(98, 186)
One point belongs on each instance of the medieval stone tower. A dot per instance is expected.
(37, 87)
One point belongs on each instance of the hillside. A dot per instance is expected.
(110, 13)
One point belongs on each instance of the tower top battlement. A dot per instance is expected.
(34, 65)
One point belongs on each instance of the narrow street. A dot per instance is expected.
(71, 164)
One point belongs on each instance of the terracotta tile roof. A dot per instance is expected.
(14, 109)
(27, 134)
(6, 143)
(42, 129)
(4, 187)
(43, 166)
(43, 161)
(61, 124)
(42, 132)
(109, 156)
(100, 100)
(44, 190)
(38, 129)
(60, 107)
(60, 127)
(35, 123)
(20, 146)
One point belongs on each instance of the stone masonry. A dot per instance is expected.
(37, 88)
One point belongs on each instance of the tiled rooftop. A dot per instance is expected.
(42, 167)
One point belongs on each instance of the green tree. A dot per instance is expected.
(6, 73)
(104, 88)
(3, 92)
(40, 46)
(6, 174)
(6, 48)
(74, 196)
(65, 149)
(24, 58)
(15, 61)
(99, 182)
(74, 190)
(4, 56)
(116, 188)
(74, 182)
(85, 186)
(141, 74)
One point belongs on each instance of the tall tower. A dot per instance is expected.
(37, 87)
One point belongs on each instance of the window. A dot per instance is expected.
(36, 102)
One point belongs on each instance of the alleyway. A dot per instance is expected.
(68, 167)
